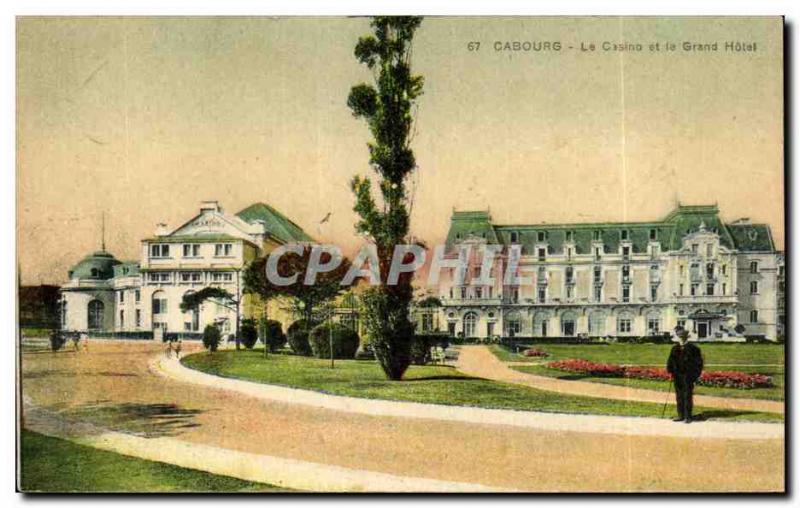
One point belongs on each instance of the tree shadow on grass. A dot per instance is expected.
(40, 374)
(443, 378)
(715, 414)
(144, 420)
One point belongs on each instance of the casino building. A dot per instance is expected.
(142, 298)
(720, 281)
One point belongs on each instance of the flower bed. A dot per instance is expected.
(535, 353)
(724, 379)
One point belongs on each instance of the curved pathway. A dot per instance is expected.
(112, 390)
(480, 362)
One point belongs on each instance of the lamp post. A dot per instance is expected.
(330, 333)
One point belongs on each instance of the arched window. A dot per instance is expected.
(513, 324)
(470, 321)
(597, 324)
(624, 323)
(653, 323)
(191, 318)
(568, 326)
(96, 310)
(540, 325)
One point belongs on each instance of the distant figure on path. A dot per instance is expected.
(168, 349)
(685, 364)
(178, 346)
(76, 338)
(85, 340)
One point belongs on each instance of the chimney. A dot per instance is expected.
(161, 229)
(210, 206)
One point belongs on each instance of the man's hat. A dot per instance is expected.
(682, 333)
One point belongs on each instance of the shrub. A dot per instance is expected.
(272, 334)
(345, 341)
(297, 334)
(57, 339)
(724, 379)
(422, 344)
(211, 337)
(248, 335)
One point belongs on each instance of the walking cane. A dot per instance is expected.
(663, 409)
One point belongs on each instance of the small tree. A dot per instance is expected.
(272, 335)
(345, 341)
(249, 333)
(211, 337)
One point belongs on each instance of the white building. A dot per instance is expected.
(619, 279)
(107, 296)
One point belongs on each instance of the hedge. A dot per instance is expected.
(272, 334)
(248, 335)
(345, 341)
(422, 344)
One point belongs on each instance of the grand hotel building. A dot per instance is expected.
(619, 279)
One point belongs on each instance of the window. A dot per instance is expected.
(463, 292)
(569, 252)
(488, 291)
(694, 248)
(479, 292)
(470, 319)
(653, 292)
(514, 237)
(653, 324)
(597, 324)
(568, 324)
(122, 318)
(626, 272)
(159, 277)
(513, 324)
(624, 324)
(753, 266)
(569, 292)
(709, 249)
(710, 270)
(427, 322)
(159, 250)
(598, 273)
(570, 274)
(542, 294)
(653, 234)
(476, 271)
(597, 235)
(223, 277)
(680, 290)
(191, 250)
(753, 287)
(223, 249)
(623, 235)
(626, 252)
(138, 318)
(709, 289)
(569, 236)
(598, 293)
(724, 269)
(681, 323)
(540, 325)
(159, 303)
(694, 289)
(137, 296)
(95, 311)
(188, 277)
(754, 316)
(724, 288)
(597, 253)
(626, 293)
(122, 296)
(681, 270)
(542, 253)
(63, 314)
(514, 295)
(541, 236)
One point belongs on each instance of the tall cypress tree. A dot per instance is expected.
(386, 106)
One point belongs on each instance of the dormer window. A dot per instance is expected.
(159, 250)
(191, 250)
(597, 235)
(223, 249)
(541, 236)
(569, 236)
(653, 235)
(542, 253)
(514, 237)
(623, 235)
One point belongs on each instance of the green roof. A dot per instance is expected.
(198, 238)
(669, 232)
(126, 269)
(98, 265)
(277, 224)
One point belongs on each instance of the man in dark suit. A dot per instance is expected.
(685, 364)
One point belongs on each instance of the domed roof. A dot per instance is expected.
(98, 265)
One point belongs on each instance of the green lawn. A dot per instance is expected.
(774, 393)
(55, 465)
(729, 355)
(430, 384)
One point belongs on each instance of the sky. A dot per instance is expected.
(140, 119)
